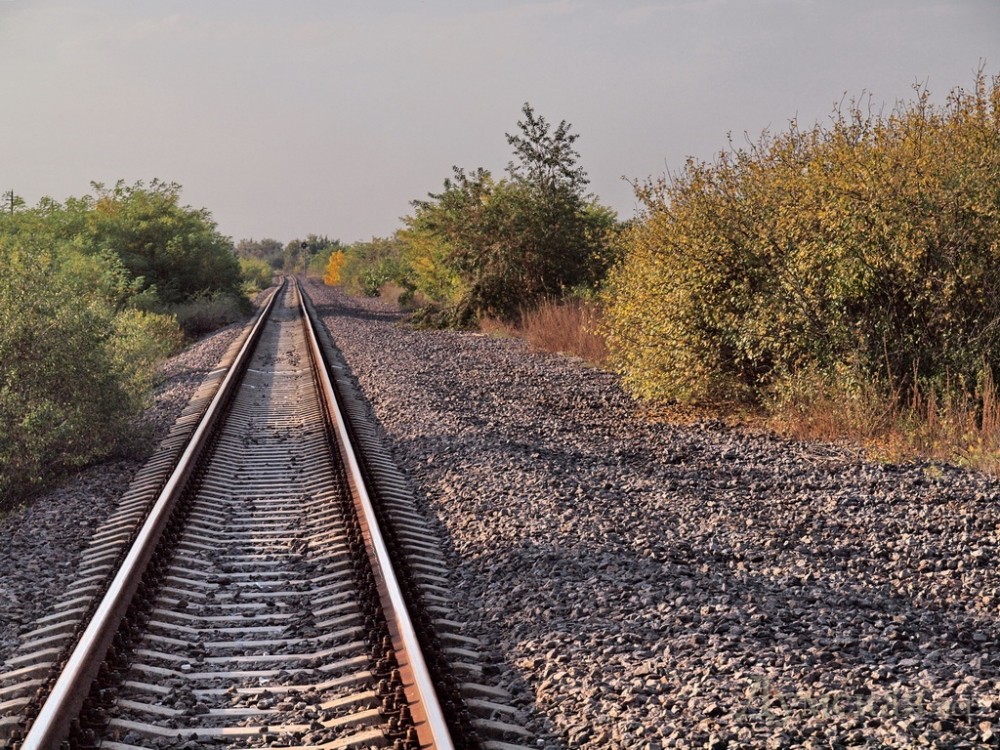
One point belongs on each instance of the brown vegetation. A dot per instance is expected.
(948, 425)
(568, 326)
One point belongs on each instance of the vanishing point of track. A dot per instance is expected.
(256, 603)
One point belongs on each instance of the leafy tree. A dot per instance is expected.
(515, 241)
(457, 228)
(91, 292)
(562, 229)
(176, 250)
(546, 160)
(11, 202)
(74, 366)
(309, 255)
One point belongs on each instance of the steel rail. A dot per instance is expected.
(52, 723)
(421, 694)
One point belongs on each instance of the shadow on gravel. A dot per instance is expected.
(784, 654)
(771, 592)
(348, 308)
(693, 581)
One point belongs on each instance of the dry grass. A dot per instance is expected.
(954, 427)
(567, 327)
(391, 293)
(497, 328)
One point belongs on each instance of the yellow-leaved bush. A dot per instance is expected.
(331, 276)
(426, 257)
(867, 250)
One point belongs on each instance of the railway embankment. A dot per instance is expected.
(645, 585)
(662, 586)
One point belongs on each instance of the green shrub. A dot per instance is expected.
(491, 248)
(866, 252)
(140, 341)
(73, 370)
(161, 243)
(256, 275)
(83, 289)
(367, 266)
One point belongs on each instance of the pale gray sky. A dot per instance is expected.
(329, 116)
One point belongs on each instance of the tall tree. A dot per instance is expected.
(515, 241)
(551, 229)
(546, 160)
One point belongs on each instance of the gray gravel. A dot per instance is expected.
(658, 586)
(42, 542)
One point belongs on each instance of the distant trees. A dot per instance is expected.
(269, 251)
(309, 255)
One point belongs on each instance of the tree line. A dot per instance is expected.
(490, 247)
(95, 292)
(857, 260)
(845, 261)
(261, 259)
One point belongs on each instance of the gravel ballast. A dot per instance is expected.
(660, 586)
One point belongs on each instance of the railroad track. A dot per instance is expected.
(267, 582)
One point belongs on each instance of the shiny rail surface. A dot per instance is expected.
(416, 677)
(268, 614)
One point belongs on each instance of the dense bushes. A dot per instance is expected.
(866, 252)
(91, 291)
(73, 367)
(268, 250)
(173, 251)
(364, 267)
(257, 274)
(495, 247)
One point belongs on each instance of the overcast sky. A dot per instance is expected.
(329, 116)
